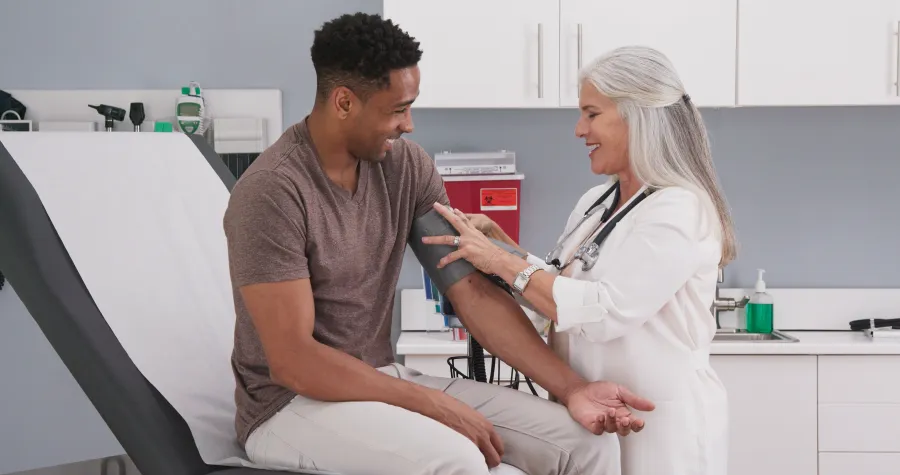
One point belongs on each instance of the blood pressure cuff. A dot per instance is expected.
(433, 224)
(508, 248)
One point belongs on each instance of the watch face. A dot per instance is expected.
(517, 284)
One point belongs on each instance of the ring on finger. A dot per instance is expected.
(456, 241)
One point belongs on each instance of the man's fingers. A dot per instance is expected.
(637, 425)
(497, 442)
(624, 426)
(635, 401)
(490, 453)
(610, 420)
(598, 425)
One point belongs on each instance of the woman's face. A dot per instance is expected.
(604, 132)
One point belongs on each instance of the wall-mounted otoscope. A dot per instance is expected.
(110, 113)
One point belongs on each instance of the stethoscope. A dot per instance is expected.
(589, 253)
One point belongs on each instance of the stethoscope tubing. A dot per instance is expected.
(589, 253)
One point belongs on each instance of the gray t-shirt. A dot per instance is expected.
(287, 220)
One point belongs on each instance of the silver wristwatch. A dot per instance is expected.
(522, 278)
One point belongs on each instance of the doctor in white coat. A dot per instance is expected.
(638, 312)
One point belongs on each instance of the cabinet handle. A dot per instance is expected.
(540, 60)
(897, 82)
(580, 55)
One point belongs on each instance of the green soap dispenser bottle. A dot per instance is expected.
(760, 308)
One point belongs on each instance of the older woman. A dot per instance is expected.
(629, 286)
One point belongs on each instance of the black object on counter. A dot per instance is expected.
(110, 113)
(136, 115)
(10, 103)
(865, 323)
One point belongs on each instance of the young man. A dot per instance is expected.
(317, 228)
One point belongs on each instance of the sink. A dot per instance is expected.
(745, 336)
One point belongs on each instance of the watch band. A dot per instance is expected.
(522, 278)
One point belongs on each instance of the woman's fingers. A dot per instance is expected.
(451, 217)
(442, 240)
(464, 218)
(449, 258)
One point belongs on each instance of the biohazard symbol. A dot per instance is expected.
(499, 198)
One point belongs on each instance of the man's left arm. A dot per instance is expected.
(493, 316)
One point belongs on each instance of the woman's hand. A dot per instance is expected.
(473, 245)
(486, 225)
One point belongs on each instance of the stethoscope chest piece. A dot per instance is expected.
(588, 255)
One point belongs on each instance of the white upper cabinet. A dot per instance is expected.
(818, 52)
(698, 36)
(484, 54)
(527, 53)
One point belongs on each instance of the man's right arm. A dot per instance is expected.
(283, 314)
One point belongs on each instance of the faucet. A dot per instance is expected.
(725, 304)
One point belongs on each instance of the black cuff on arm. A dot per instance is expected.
(433, 224)
(508, 248)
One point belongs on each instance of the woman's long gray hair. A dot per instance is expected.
(668, 143)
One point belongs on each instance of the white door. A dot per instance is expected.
(772, 413)
(815, 52)
(698, 36)
(484, 54)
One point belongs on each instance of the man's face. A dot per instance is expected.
(374, 124)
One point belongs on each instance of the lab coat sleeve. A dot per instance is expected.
(660, 253)
(532, 259)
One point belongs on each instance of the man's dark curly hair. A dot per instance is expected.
(359, 51)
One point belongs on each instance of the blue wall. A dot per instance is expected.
(808, 186)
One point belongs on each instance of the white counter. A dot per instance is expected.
(811, 343)
(830, 386)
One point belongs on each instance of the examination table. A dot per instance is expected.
(113, 242)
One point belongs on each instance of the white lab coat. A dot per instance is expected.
(641, 318)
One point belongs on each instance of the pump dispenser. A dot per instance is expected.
(760, 308)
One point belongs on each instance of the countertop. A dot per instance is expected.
(811, 343)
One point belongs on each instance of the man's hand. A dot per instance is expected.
(470, 423)
(603, 407)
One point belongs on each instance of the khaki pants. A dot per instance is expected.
(371, 438)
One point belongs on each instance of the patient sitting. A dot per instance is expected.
(317, 228)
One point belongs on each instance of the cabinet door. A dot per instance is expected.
(698, 36)
(810, 52)
(480, 54)
(772, 415)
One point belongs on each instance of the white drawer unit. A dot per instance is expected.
(859, 409)
(859, 379)
(859, 464)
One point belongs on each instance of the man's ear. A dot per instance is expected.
(343, 101)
